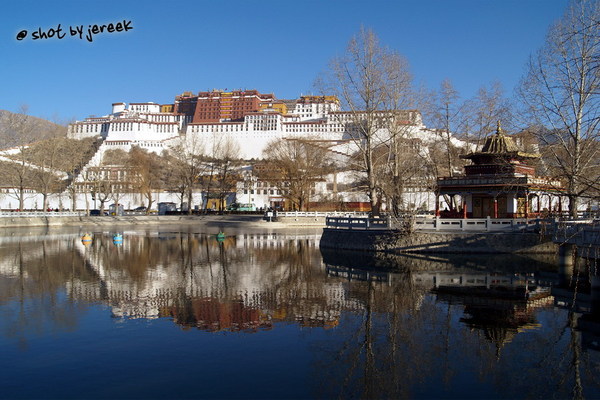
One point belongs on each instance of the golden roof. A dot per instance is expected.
(501, 144)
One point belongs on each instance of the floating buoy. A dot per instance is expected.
(86, 239)
(118, 239)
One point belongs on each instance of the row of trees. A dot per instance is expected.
(188, 167)
(375, 87)
(47, 166)
(58, 165)
(557, 104)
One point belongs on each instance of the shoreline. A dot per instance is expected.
(254, 221)
(438, 242)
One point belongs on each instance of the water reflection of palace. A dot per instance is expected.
(250, 281)
(244, 282)
(397, 319)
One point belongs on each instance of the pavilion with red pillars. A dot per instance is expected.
(499, 183)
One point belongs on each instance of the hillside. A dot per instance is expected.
(19, 129)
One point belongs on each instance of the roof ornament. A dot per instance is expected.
(499, 129)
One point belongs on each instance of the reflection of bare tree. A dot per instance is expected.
(379, 354)
(32, 278)
(381, 332)
(405, 340)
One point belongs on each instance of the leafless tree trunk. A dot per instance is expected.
(446, 114)
(188, 163)
(226, 161)
(46, 156)
(561, 91)
(24, 127)
(295, 166)
(147, 173)
(483, 113)
(372, 82)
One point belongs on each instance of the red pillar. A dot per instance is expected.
(560, 205)
(437, 205)
(526, 205)
(495, 207)
(464, 206)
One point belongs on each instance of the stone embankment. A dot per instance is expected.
(437, 242)
(57, 221)
(449, 262)
(302, 221)
(240, 220)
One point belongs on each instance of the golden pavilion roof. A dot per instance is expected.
(500, 144)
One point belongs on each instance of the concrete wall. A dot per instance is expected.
(200, 220)
(461, 243)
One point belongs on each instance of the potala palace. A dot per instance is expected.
(248, 117)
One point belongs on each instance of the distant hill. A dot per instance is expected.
(19, 129)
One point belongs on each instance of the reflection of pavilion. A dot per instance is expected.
(500, 304)
(519, 285)
(501, 310)
(500, 184)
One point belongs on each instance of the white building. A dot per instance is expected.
(156, 128)
(140, 124)
(153, 127)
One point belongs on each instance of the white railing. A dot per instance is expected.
(476, 224)
(358, 223)
(321, 214)
(40, 214)
(441, 224)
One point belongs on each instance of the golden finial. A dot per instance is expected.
(499, 129)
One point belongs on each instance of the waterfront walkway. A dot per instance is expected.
(424, 224)
(471, 235)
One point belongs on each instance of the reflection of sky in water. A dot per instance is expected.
(262, 315)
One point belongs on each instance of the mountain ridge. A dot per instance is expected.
(18, 129)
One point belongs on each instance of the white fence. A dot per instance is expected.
(40, 214)
(477, 224)
(358, 223)
(321, 214)
(51, 214)
(440, 224)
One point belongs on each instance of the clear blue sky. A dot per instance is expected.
(274, 46)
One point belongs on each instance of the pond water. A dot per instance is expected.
(177, 312)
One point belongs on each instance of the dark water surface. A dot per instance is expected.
(177, 313)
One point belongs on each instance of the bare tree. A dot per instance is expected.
(46, 155)
(101, 191)
(373, 84)
(146, 173)
(294, 166)
(226, 160)
(446, 117)
(484, 111)
(186, 162)
(210, 168)
(111, 179)
(405, 172)
(561, 91)
(24, 127)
